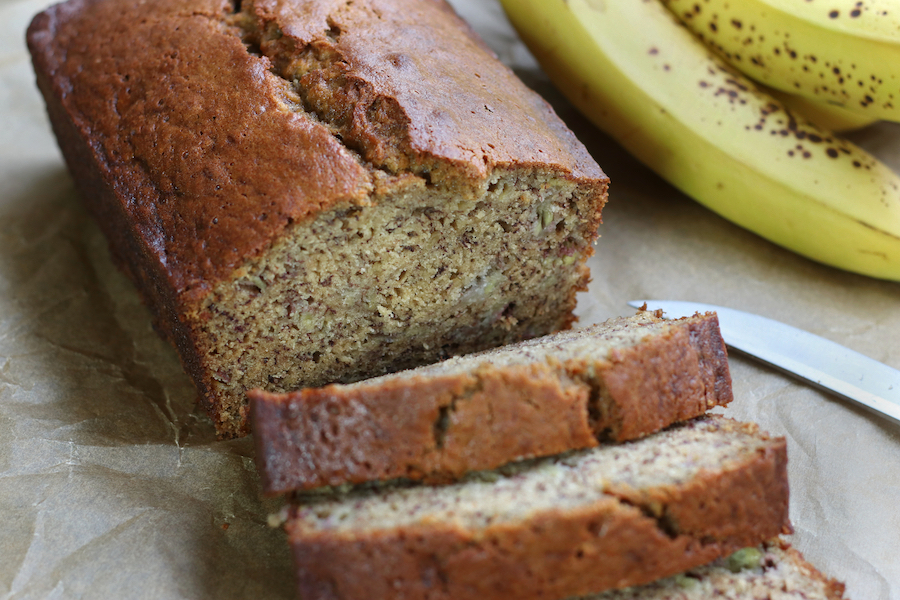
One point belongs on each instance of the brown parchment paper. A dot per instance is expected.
(111, 482)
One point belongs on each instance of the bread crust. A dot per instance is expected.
(613, 543)
(173, 103)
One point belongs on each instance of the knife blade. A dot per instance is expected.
(821, 362)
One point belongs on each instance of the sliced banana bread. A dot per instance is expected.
(608, 517)
(618, 380)
(311, 191)
(771, 571)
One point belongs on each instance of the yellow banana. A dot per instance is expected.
(649, 83)
(845, 52)
(824, 114)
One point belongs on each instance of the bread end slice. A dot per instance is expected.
(771, 571)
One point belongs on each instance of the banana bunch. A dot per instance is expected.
(685, 111)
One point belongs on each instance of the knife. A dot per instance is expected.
(827, 365)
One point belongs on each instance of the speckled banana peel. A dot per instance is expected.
(670, 101)
(828, 116)
(840, 51)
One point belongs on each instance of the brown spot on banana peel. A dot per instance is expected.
(786, 123)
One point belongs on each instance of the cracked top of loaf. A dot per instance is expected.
(218, 124)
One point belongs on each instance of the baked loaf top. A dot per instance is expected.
(192, 115)
(771, 571)
(617, 380)
(641, 510)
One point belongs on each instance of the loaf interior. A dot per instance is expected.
(522, 490)
(422, 274)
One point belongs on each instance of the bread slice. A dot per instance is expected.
(772, 571)
(618, 380)
(311, 191)
(607, 517)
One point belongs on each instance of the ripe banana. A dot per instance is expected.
(824, 114)
(841, 51)
(649, 83)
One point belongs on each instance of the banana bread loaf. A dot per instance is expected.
(312, 191)
(771, 571)
(617, 381)
(607, 517)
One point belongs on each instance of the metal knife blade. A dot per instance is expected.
(819, 361)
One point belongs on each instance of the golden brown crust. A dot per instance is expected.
(174, 104)
(555, 554)
(429, 86)
(440, 428)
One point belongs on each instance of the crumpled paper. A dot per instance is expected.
(112, 483)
